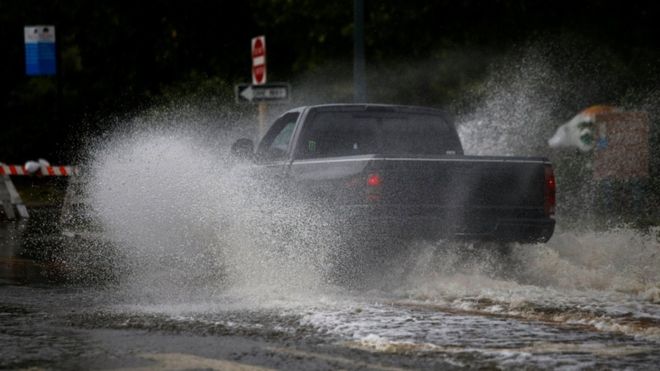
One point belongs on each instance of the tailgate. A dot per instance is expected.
(452, 182)
(464, 182)
(504, 198)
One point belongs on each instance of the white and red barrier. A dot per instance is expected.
(19, 170)
(10, 200)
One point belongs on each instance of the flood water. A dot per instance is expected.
(544, 308)
(190, 269)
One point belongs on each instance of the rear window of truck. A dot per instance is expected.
(332, 134)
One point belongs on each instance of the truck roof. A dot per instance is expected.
(369, 106)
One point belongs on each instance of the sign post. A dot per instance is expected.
(359, 80)
(259, 91)
(41, 58)
(40, 50)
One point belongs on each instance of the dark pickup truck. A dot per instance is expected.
(400, 171)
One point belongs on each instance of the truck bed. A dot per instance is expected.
(468, 197)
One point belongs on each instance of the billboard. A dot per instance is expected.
(621, 146)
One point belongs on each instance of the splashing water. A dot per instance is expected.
(608, 278)
(199, 233)
(189, 223)
(516, 111)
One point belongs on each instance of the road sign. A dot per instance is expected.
(259, 60)
(40, 50)
(623, 151)
(276, 92)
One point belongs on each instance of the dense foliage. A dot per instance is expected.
(119, 57)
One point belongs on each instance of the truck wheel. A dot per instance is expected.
(364, 261)
(499, 258)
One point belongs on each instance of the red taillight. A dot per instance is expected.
(374, 180)
(550, 190)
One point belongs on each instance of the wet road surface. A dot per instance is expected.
(588, 300)
(91, 328)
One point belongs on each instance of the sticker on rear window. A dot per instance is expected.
(311, 146)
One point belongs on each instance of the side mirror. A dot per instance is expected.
(243, 149)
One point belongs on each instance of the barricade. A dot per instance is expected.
(11, 201)
(19, 170)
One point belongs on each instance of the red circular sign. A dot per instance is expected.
(258, 60)
(258, 49)
(258, 72)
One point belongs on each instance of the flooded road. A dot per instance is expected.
(546, 309)
(174, 274)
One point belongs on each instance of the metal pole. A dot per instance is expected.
(59, 114)
(359, 83)
(263, 124)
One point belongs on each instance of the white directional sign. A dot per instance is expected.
(276, 92)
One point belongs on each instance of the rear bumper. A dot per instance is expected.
(484, 224)
(524, 230)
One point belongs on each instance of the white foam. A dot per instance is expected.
(189, 223)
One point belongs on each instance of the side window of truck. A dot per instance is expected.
(275, 143)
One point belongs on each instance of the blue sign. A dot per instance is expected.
(40, 51)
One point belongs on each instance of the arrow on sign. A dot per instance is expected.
(247, 93)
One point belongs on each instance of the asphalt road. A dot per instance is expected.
(583, 301)
(72, 328)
